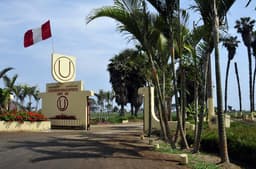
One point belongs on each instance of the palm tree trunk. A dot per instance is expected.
(250, 78)
(37, 103)
(199, 127)
(183, 106)
(183, 137)
(150, 116)
(196, 111)
(161, 108)
(221, 124)
(169, 108)
(209, 92)
(132, 109)
(226, 85)
(122, 110)
(253, 86)
(239, 88)
(180, 114)
(163, 114)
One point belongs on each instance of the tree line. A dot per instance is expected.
(13, 97)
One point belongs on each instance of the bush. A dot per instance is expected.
(22, 116)
(241, 140)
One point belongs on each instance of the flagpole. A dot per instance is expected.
(52, 45)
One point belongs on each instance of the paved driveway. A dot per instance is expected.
(104, 147)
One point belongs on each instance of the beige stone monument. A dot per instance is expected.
(66, 97)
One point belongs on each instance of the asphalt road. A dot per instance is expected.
(104, 147)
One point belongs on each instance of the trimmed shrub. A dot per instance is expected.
(241, 138)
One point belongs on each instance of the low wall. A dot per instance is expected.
(25, 126)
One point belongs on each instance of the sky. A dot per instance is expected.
(92, 44)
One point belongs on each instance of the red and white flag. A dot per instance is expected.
(37, 34)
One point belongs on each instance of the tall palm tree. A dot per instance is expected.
(253, 45)
(214, 15)
(221, 123)
(117, 70)
(204, 8)
(244, 26)
(167, 10)
(238, 86)
(134, 18)
(231, 43)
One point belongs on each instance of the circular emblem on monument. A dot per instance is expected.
(62, 103)
(63, 68)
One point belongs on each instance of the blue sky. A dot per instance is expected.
(93, 45)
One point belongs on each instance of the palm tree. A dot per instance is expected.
(213, 15)
(135, 19)
(4, 94)
(166, 10)
(118, 75)
(109, 97)
(100, 100)
(221, 123)
(17, 90)
(239, 88)
(244, 26)
(9, 83)
(23, 94)
(231, 43)
(36, 98)
(253, 45)
(31, 90)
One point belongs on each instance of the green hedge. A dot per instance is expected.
(241, 140)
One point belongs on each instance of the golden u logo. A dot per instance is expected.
(63, 68)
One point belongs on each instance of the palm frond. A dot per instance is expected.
(4, 71)
(248, 3)
(205, 9)
(126, 20)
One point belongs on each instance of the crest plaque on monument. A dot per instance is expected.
(66, 97)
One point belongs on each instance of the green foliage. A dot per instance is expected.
(199, 164)
(114, 118)
(194, 162)
(165, 148)
(241, 142)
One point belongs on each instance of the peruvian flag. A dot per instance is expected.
(37, 34)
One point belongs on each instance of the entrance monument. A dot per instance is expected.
(66, 98)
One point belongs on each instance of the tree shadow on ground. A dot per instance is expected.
(83, 146)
